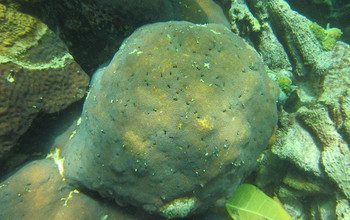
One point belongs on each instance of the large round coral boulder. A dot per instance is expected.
(176, 121)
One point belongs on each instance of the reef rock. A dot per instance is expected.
(315, 120)
(175, 122)
(37, 191)
(37, 73)
(94, 29)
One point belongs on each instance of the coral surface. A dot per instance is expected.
(312, 140)
(182, 111)
(37, 191)
(36, 74)
(94, 29)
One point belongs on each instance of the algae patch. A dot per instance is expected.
(178, 208)
(58, 160)
(328, 37)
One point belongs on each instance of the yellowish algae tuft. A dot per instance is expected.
(284, 83)
(70, 197)
(328, 37)
(205, 124)
(58, 160)
(179, 208)
(135, 143)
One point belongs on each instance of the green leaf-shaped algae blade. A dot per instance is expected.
(250, 203)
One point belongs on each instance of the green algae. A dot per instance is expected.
(328, 37)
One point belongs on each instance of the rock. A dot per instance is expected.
(298, 146)
(37, 73)
(323, 209)
(343, 209)
(317, 119)
(291, 201)
(94, 30)
(284, 38)
(313, 131)
(175, 122)
(200, 12)
(336, 161)
(329, 120)
(37, 191)
(271, 170)
(336, 88)
(329, 13)
(307, 184)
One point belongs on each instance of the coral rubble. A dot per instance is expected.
(313, 134)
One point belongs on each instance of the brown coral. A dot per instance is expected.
(36, 74)
(183, 109)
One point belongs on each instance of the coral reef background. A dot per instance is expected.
(61, 43)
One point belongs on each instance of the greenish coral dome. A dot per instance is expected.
(182, 111)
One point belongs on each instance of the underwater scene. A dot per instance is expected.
(174, 109)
